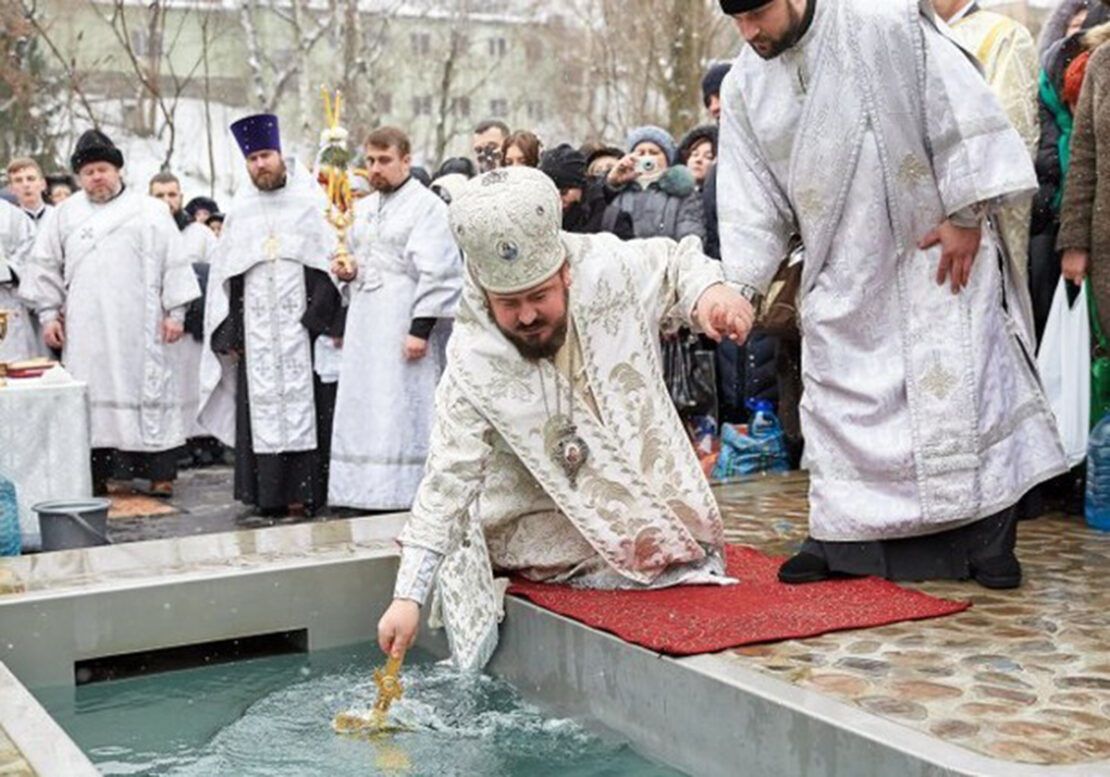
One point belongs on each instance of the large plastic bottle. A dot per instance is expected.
(10, 541)
(1097, 505)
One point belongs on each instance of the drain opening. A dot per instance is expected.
(118, 667)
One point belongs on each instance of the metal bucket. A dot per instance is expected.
(73, 523)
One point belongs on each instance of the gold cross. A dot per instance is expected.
(389, 685)
(271, 246)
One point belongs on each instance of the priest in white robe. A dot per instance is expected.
(269, 298)
(18, 339)
(557, 453)
(110, 284)
(404, 287)
(862, 127)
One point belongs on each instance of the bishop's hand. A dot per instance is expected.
(398, 626)
(54, 335)
(724, 312)
(172, 330)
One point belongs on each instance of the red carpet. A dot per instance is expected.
(704, 619)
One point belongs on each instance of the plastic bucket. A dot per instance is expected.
(73, 523)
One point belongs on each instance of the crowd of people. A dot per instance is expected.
(344, 382)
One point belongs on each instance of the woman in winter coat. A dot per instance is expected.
(1085, 212)
(661, 197)
(698, 151)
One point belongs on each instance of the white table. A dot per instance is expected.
(44, 446)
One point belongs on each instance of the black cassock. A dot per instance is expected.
(273, 481)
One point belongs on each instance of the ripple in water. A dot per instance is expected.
(277, 721)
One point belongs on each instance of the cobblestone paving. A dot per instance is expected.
(1023, 675)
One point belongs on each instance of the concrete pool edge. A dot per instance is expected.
(41, 742)
(703, 714)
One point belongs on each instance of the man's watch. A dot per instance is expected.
(748, 292)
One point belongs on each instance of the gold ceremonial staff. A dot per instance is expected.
(334, 175)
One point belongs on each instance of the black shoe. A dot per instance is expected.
(999, 573)
(804, 568)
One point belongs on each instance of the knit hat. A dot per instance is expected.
(565, 165)
(507, 224)
(711, 81)
(741, 6)
(652, 134)
(94, 146)
(259, 132)
(694, 137)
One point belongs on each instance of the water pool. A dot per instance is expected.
(272, 716)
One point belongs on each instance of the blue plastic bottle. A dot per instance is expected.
(1098, 476)
(10, 542)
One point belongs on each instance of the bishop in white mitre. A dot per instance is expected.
(557, 453)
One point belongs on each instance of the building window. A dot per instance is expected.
(383, 103)
(533, 50)
(460, 43)
(460, 106)
(422, 106)
(421, 43)
(499, 107)
(535, 110)
(498, 47)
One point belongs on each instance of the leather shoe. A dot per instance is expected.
(804, 568)
(999, 572)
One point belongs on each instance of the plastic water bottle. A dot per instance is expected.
(1097, 505)
(763, 422)
(10, 543)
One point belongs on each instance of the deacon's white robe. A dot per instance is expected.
(408, 267)
(1008, 55)
(922, 411)
(278, 347)
(17, 236)
(642, 511)
(199, 245)
(116, 270)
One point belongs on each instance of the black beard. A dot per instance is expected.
(534, 352)
(798, 27)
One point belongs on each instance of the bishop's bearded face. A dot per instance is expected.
(772, 28)
(267, 169)
(535, 320)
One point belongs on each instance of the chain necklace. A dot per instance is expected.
(562, 442)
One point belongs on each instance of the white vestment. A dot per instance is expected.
(641, 507)
(199, 244)
(408, 267)
(116, 270)
(17, 237)
(922, 411)
(269, 238)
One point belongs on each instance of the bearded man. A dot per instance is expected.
(110, 283)
(269, 298)
(405, 283)
(557, 453)
(862, 127)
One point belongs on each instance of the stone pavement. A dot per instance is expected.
(1024, 675)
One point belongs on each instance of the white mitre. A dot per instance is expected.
(507, 223)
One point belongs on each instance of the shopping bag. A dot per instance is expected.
(1064, 361)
